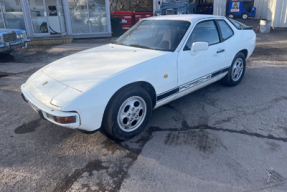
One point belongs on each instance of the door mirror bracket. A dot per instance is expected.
(198, 46)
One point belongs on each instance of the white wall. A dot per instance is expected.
(219, 7)
(279, 16)
(263, 8)
(275, 10)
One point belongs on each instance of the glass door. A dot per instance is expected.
(88, 16)
(55, 17)
(47, 17)
(79, 16)
(98, 16)
(39, 17)
(2, 24)
(61, 15)
(11, 15)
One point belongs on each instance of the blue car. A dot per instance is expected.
(11, 39)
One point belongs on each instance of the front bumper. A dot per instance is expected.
(15, 45)
(48, 113)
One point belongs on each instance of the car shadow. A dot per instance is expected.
(6, 57)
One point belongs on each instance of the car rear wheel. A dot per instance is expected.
(128, 113)
(236, 71)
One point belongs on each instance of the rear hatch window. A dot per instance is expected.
(239, 25)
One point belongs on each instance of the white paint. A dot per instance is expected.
(96, 64)
(186, 17)
(47, 109)
(274, 10)
(86, 81)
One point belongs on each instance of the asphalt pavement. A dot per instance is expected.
(216, 139)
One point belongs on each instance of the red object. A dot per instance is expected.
(127, 18)
(141, 15)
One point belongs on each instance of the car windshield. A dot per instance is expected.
(162, 35)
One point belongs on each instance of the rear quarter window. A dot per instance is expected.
(225, 29)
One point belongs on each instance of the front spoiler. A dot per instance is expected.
(46, 112)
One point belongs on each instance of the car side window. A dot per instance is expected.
(205, 31)
(226, 31)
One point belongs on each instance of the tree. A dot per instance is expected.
(129, 5)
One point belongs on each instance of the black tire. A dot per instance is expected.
(228, 79)
(44, 27)
(110, 120)
(231, 16)
(244, 16)
(7, 52)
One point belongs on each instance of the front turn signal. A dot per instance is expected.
(65, 120)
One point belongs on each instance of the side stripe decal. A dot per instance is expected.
(167, 94)
(194, 82)
(190, 84)
(215, 74)
(225, 70)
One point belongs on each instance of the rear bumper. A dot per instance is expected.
(48, 113)
(12, 46)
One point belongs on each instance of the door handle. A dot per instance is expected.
(220, 51)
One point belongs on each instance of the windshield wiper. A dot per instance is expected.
(141, 46)
(119, 43)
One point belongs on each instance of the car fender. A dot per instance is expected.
(241, 40)
(160, 72)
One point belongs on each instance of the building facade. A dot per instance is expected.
(44, 18)
(274, 10)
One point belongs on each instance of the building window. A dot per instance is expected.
(13, 14)
(88, 16)
(1, 21)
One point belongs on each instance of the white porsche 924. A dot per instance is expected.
(116, 86)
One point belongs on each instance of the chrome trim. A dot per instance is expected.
(3, 40)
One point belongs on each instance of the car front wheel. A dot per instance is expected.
(128, 113)
(231, 16)
(236, 71)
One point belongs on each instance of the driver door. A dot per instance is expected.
(194, 70)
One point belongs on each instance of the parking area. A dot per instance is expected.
(216, 139)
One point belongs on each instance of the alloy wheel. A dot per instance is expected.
(132, 113)
(237, 69)
(244, 16)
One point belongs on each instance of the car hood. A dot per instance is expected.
(87, 68)
(10, 30)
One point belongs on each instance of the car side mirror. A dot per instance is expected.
(159, 2)
(198, 46)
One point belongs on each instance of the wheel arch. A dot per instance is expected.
(143, 84)
(244, 52)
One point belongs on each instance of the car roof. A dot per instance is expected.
(186, 17)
